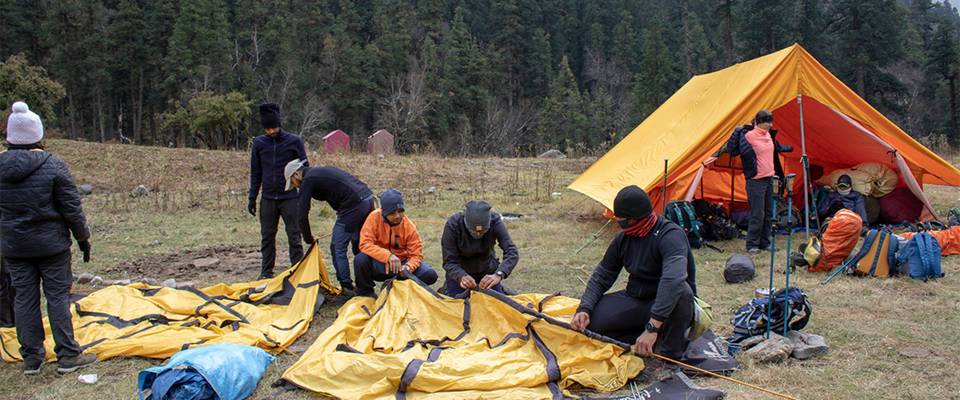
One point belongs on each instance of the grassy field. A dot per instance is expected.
(890, 339)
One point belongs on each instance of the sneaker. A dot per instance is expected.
(70, 364)
(31, 367)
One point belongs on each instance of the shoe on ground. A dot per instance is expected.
(70, 364)
(32, 367)
(347, 294)
(268, 275)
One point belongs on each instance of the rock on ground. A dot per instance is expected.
(170, 283)
(140, 191)
(85, 189)
(776, 349)
(807, 345)
(84, 278)
(205, 262)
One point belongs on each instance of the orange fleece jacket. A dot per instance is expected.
(379, 240)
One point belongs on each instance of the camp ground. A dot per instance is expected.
(295, 336)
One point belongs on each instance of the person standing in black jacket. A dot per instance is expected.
(347, 195)
(39, 209)
(656, 309)
(269, 154)
(468, 255)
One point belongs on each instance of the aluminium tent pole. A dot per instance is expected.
(806, 172)
(664, 212)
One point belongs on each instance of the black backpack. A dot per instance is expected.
(715, 224)
(682, 213)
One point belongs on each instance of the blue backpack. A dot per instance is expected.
(922, 255)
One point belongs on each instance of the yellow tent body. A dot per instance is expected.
(156, 322)
(841, 130)
(413, 343)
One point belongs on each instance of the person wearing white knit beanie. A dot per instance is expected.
(23, 126)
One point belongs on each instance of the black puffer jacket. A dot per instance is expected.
(39, 205)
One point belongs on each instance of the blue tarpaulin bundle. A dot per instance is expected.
(216, 372)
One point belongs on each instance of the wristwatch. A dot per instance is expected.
(650, 328)
(499, 273)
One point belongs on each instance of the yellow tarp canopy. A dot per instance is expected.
(697, 120)
(156, 322)
(413, 343)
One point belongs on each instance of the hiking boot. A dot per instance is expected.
(31, 367)
(265, 275)
(70, 364)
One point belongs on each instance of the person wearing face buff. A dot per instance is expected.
(843, 197)
(656, 308)
(469, 258)
(389, 245)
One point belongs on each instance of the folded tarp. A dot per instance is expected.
(413, 343)
(156, 322)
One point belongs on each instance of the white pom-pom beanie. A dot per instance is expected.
(23, 126)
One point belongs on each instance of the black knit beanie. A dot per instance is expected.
(632, 202)
(269, 115)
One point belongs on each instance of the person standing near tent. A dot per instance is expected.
(843, 197)
(468, 255)
(269, 154)
(39, 209)
(657, 307)
(759, 154)
(389, 245)
(347, 195)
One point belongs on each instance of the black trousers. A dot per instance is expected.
(623, 317)
(53, 273)
(760, 199)
(270, 213)
(6, 297)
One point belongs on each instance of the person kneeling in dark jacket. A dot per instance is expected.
(468, 255)
(844, 197)
(39, 208)
(656, 309)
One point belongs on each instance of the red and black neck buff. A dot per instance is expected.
(641, 227)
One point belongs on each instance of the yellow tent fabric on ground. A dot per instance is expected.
(413, 343)
(156, 322)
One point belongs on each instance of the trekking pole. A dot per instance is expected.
(786, 297)
(594, 238)
(773, 242)
(838, 271)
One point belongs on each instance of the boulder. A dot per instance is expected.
(96, 281)
(776, 349)
(170, 283)
(807, 345)
(85, 189)
(552, 154)
(140, 191)
(206, 262)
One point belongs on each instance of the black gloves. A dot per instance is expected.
(85, 249)
(252, 207)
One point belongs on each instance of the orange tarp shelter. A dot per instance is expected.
(813, 110)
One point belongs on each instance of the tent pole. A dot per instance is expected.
(732, 198)
(806, 172)
(664, 212)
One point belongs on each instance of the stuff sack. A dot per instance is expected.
(702, 317)
(682, 213)
(739, 269)
(921, 257)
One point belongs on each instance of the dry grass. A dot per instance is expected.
(867, 322)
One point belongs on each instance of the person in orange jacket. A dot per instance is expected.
(389, 245)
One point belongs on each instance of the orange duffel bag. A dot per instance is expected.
(949, 240)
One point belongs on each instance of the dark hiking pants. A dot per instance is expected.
(760, 199)
(623, 317)
(346, 235)
(6, 297)
(270, 213)
(53, 274)
(368, 271)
